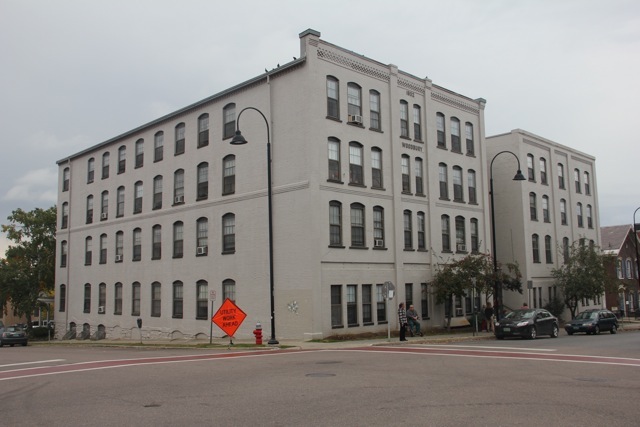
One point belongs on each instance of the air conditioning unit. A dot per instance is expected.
(201, 250)
(378, 243)
(355, 119)
(461, 248)
(101, 309)
(179, 199)
(118, 258)
(104, 215)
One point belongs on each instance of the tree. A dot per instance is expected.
(29, 264)
(457, 278)
(583, 276)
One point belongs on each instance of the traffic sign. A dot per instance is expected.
(212, 295)
(229, 317)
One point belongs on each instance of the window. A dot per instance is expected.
(137, 244)
(178, 187)
(535, 248)
(203, 130)
(587, 185)
(357, 225)
(376, 168)
(576, 176)
(158, 146)
(178, 239)
(87, 298)
(202, 291)
(589, 218)
(378, 227)
(563, 211)
(475, 239)
(157, 192)
(119, 246)
(565, 249)
(135, 299)
(64, 221)
(335, 223)
(179, 134)
(381, 305)
(354, 102)
(456, 145)
(530, 169)
(468, 127)
(461, 235)
(408, 231)
(203, 181)
(122, 159)
(444, 185)
(202, 236)
(545, 209)
(229, 175)
(105, 166)
(334, 159)
(156, 299)
(418, 175)
(178, 300)
(471, 182)
(374, 109)
(533, 207)
(336, 306)
(457, 184)
(333, 98)
(117, 298)
(424, 300)
(102, 298)
(88, 250)
(446, 233)
(355, 164)
(229, 120)
(89, 216)
(561, 176)
(103, 249)
(229, 290)
(404, 119)
(442, 141)
(120, 202)
(543, 171)
(137, 197)
(579, 214)
(65, 179)
(547, 250)
(367, 314)
(228, 233)
(139, 153)
(63, 253)
(408, 292)
(352, 305)
(422, 241)
(104, 205)
(406, 177)
(156, 242)
(91, 166)
(417, 122)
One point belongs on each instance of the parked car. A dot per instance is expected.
(527, 323)
(592, 322)
(13, 335)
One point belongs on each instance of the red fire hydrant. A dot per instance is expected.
(258, 333)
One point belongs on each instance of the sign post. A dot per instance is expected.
(388, 290)
(212, 297)
(229, 317)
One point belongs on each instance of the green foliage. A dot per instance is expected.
(555, 307)
(29, 264)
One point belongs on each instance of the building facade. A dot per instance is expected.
(620, 243)
(537, 220)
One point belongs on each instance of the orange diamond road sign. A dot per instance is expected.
(229, 317)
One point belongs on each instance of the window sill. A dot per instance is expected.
(458, 201)
(447, 251)
(358, 247)
(471, 154)
(378, 188)
(337, 246)
(176, 204)
(176, 316)
(409, 250)
(408, 193)
(201, 318)
(457, 151)
(405, 137)
(376, 130)
(335, 119)
(335, 181)
(380, 248)
(177, 256)
(382, 322)
(421, 195)
(337, 327)
(368, 323)
(354, 325)
(201, 198)
(357, 125)
(354, 184)
(442, 147)
(423, 250)
(446, 199)
(418, 140)
(228, 252)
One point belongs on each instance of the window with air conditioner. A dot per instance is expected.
(101, 309)
(355, 118)
(179, 199)
(461, 248)
(378, 243)
(201, 250)
(118, 258)
(104, 215)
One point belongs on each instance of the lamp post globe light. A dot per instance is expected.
(238, 139)
(497, 288)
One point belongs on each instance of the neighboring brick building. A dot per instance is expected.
(618, 242)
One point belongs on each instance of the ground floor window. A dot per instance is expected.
(336, 306)
(352, 305)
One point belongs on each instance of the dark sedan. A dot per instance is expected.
(592, 322)
(527, 323)
(12, 335)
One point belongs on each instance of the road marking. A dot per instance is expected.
(488, 347)
(32, 363)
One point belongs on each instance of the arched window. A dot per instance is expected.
(122, 159)
(203, 130)
(105, 165)
(62, 298)
(179, 138)
(357, 225)
(202, 237)
(202, 191)
(456, 144)
(158, 146)
(229, 175)
(202, 290)
(178, 300)
(156, 242)
(229, 120)
(335, 223)
(228, 233)
(333, 98)
(87, 298)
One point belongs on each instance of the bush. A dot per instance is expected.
(555, 307)
(40, 333)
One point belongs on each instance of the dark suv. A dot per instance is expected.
(593, 321)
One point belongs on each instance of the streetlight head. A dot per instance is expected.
(238, 139)
(518, 177)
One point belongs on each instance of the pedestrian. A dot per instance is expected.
(402, 317)
(488, 315)
(525, 306)
(414, 323)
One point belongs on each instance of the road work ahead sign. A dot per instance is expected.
(229, 317)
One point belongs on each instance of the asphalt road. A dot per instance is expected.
(578, 380)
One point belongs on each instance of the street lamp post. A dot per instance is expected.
(238, 139)
(497, 289)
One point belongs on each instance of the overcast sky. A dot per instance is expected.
(76, 73)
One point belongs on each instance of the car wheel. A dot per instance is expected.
(24, 344)
(554, 331)
(614, 329)
(596, 331)
(532, 333)
(11, 345)
(499, 337)
(570, 332)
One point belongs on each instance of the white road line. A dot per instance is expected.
(487, 347)
(32, 363)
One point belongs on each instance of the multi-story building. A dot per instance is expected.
(538, 219)
(376, 175)
(620, 243)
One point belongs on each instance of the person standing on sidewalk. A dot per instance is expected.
(488, 315)
(414, 322)
(402, 318)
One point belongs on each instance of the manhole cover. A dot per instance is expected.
(320, 375)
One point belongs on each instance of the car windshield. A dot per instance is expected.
(585, 315)
(13, 329)
(520, 314)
